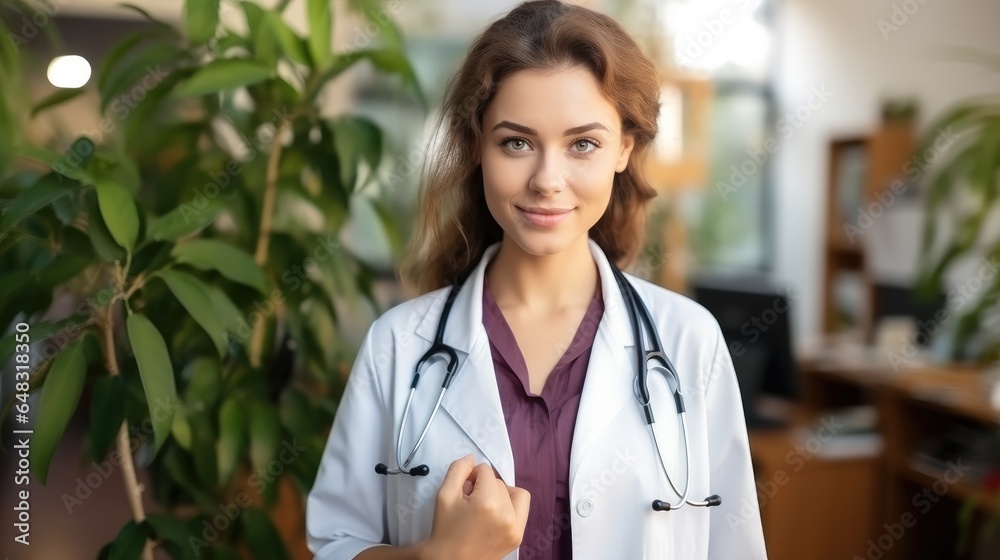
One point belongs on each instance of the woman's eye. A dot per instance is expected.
(514, 144)
(582, 145)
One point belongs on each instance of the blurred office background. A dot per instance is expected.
(828, 171)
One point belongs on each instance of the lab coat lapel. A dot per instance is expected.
(473, 399)
(610, 373)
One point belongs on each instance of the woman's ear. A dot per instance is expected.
(628, 142)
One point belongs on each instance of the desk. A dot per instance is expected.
(809, 505)
(845, 508)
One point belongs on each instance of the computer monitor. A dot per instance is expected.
(755, 319)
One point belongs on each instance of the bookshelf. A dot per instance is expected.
(860, 167)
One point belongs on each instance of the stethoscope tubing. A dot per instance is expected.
(641, 320)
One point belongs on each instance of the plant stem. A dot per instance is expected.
(132, 487)
(264, 233)
(137, 284)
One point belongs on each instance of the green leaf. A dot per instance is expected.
(292, 45)
(231, 40)
(232, 441)
(143, 66)
(320, 35)
(201, 17)
(225, 552)
(192, 294)
(296, 412)
(59, 96)
(71, 261)
(129, 543)
(146, 15)
(265, 433)
(230, 261)
(119, 213)
(177, 463)
(180, 428)
(59, 397)
(123, 47)
(392, 61)
(97, 231)
(228, 313)
(46, 191)
(222, 75)
(261, 536)
(174, 533)
(389, 225)
(254, 14)
(185, 220)
(67, 207)
(203, 449)
(60, 164)
(107, 411)
(204, 384)
(157, 373)
(13, 184)
(356, 139)
(374, 12)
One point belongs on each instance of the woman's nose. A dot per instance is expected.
(551, 175)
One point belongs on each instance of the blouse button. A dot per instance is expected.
(585, 507)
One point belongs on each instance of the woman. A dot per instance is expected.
(540, 448)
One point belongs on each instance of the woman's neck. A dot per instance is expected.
(541, 284)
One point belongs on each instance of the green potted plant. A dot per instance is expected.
(964, 190)
(196, 235)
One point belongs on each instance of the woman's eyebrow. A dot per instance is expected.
(569, 132)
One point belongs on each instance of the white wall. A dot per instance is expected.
(839, 45)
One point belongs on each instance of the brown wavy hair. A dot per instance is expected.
(454, 225)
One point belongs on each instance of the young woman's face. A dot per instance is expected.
(551, 141)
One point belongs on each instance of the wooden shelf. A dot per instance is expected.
(958, 391)
(926, 476)
(914, 407)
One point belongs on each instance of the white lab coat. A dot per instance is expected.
(614, 475)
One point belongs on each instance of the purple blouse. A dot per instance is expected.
(541, 426)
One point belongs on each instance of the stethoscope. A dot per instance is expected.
(637, 310)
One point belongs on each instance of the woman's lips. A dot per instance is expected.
(543, 220)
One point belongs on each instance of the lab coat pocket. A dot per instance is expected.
(411, 506)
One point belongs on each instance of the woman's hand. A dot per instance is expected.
(476, 515)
